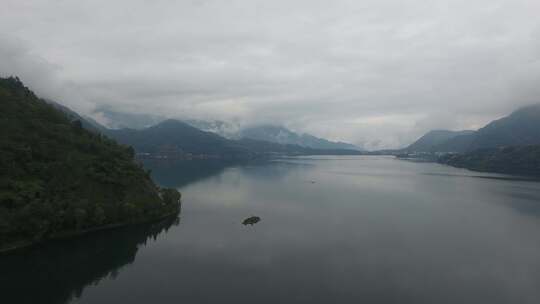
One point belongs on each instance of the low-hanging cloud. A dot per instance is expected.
(376, 73)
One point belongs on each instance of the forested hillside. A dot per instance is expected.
(180, 137)
(177, 134)
(520, 128)
(57, 178)
(521, 160)
(436, 141)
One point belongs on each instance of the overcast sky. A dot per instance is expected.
(377, 73)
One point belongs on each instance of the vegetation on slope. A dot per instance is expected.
(176, 135)
(434, 140)
(521, 160)
(282, 135)
(520, 128)
(57, 178)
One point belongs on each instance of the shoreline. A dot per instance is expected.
(22, 245)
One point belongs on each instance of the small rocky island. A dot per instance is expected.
(251, 220)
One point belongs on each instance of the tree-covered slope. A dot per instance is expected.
(261, 147)
(438, 141)
(282, 135)
(57, 178)
(520, 128)
(521, 160)
(459, 144)
(87, 123)
(178, 135)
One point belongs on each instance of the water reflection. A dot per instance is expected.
(181, 173)
(521, 197)
(369, 230)
(521, 193)
(59, 271)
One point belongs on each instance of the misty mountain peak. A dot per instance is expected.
(282, 135)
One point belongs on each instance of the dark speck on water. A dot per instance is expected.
(251, 220)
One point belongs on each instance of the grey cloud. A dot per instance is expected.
(371, 72)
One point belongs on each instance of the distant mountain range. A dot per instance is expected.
(219, 127)
(506, 145)
(521, 128)
(173, 138)
(270, 133)
(281, 135)
(174, 134)
(177, 139)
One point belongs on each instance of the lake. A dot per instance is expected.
(363, 229)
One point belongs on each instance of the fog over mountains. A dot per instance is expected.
(282, 135)
(229, 130)
(520, 128)
(377, 74)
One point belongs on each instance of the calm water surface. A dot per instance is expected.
(332, 230)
